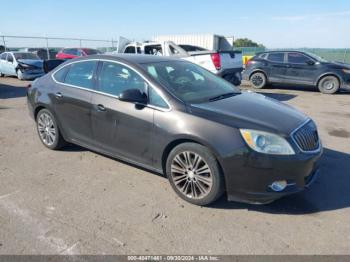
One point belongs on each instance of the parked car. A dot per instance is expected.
(42, 52)
(24, 65)
(176, 118)
(297, 68)
(2, 49)
(69, 53)
(227, 64)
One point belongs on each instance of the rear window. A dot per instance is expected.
(3, 56)
(130, 50)
(276, 57)
(91, 51)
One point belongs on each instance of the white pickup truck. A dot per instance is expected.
(227, 64)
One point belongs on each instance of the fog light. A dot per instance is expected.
(278, 185)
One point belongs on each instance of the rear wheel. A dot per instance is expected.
(48, 130)
(258, 80)
(194, 174)
(328, 85)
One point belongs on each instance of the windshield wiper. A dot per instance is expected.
(223, 96)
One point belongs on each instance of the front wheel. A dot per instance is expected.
(258, 80)
(328, 85)
(48, 130)
(194, 174)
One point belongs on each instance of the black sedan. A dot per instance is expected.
(297, 68)
(178, 119)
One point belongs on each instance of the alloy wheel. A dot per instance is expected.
(191, 175)
(46, 128)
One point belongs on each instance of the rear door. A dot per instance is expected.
(121, 128)
(300, 70)
(72, 99)
(276, 67)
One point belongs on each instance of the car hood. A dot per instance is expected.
(32, 62)
(338, 65)
(252, 111)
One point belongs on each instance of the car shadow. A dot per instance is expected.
(9, 91)
(329, 192)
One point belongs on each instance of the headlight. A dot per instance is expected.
(347, 71)
(267, 143)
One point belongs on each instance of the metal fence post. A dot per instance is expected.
(3, 40)
(47, 48)
(80, 43)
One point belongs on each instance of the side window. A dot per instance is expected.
(81, 74)
(173, 50)
(297, 58)
(61, 74)
(139, 50)
(130, 50)
(10, 58)
(276, 57)
(3, 56)
(155, 99)
(115, 78)
(153, 50)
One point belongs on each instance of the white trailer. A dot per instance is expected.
(208, 41)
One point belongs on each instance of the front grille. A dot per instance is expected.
(307, 137)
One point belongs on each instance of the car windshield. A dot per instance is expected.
(189, 82)
(25, 56)
(92, 51)
(316, 57)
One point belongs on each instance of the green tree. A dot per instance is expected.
(245, 42)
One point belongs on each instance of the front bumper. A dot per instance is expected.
(249, 178)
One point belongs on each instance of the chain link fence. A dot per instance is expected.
(51, 45)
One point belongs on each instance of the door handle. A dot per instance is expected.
(101, 108)
(59, 95)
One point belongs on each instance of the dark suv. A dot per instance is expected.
(297, 68)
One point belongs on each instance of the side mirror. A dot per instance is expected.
(133, 96)
(310, 62)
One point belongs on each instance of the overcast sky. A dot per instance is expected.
(297, 23)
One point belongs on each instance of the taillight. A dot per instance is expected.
(216, 60)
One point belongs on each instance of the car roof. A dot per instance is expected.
(131, 58)
(279, 51)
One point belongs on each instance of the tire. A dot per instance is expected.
(194, 174)
(19, 75)
(328, 84)
(48, 131)
(1, 74)
(258, 80)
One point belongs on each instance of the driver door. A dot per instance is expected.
(300, 70)
(120, 128)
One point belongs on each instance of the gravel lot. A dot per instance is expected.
(78, 202)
